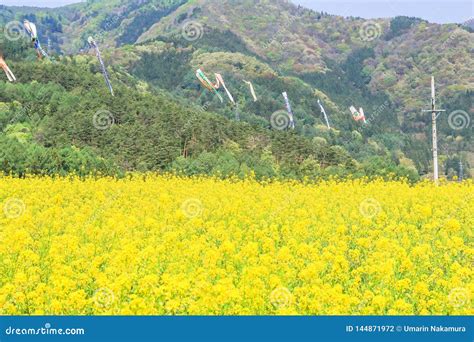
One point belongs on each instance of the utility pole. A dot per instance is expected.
(461, 171)
(434, 115)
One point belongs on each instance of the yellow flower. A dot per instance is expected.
(162, 244)
(453, 225)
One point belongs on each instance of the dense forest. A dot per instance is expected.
(59, 117)
(67, 122)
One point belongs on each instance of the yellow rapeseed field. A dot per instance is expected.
(152, 244)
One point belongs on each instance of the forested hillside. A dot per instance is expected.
(163, 119)
(59, 118)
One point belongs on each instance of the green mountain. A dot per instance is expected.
(383, 66)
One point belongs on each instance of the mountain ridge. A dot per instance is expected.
(382, 65)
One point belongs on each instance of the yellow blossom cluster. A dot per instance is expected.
(161, 244)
